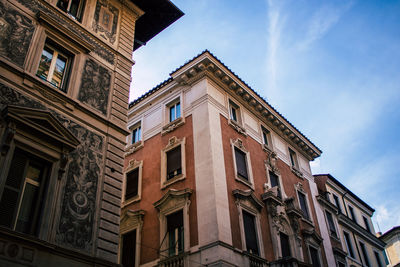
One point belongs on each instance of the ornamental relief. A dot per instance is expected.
(106, 20)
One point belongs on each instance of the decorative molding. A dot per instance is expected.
(8, 136)
(134, 147)
(170, 127)
(237, 127)
(248, 196)
(173, 199)
(271, 162)
(131, 219)
(297, 172)
(105, 20)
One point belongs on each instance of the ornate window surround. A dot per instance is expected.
(315, 246)
(171, 126)
(267, 148)
(238, 124)
(270, 166)
(133, 147)
(131, 220)
(133, 164)
(296, 168)
(299, 188)
(171, 202)
(247, 201)
(239, 145)
(173, 142)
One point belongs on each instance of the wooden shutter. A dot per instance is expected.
(129, 249)
(241, 166)
(174, 162)
(250, 233)
(132, 183)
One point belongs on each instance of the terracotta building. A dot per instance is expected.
(65, 71)
(348, 221)
(392, 248)
(215, 176)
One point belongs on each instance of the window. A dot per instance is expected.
(266, 137)
(173, 162)
(378, 259)
(136, 134)
(366, 224)
(250, 233)
(54, 66)
(174, 111)
(303, 204)
(348, 244)
(331, 224)
(285, 245)
(175, 233)
(293, 159)
(351, 210)
(174, 167)
(337, 203)
(24, 190)
(314, 255)
(132, 188)
(129, 249)
(72, 7)
(132, 184)
(234, 112)
(241, 165)
(365, 254)
(274, 180)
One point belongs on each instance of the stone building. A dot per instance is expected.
(215, 176)
(348, 221)
(392, 248)
(65, 70)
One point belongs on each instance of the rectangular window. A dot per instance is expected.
(234, 112)
(73, 7)
(174, 111)
(128, 256)
(175, 233)
(250, 233)
(174, 162)
(337, 203)
(303, 204)
(266, 136)
(331, 224)
(241, 164)
(378, 259)
(54, 66)
(132, 184)
(366, 224)
(274, 179)
(348, 244)
(293, 159)
(285, 245)
(365, 254)
(137, 134)
(352, 216)
(314, 257)
(22, 198)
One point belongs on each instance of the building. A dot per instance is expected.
(392, 248)
(65, 70)
(348, 219)
(215, 176)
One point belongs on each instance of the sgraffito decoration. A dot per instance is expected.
(75, 228)
(106, 20)
(95, 86)
(15, 34)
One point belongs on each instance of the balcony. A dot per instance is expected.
(256, 261)
(173, 261)
(288, 262)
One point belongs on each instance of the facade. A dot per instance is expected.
(392, 248)
(215, 176)
(65, 70)
(348, 221)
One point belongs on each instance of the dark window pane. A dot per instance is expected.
(303, 205)
(275, 182)
(352, 216)
(331, 224)
(250, 233)
(174, 162)
(16, 171)
(265, 137)
(175, 232)
(337, 203)
(366, 224)
(314, 257)
(285, 245)
(365, 255)
(233, 114)
(129, 249)
(241, 166)
(62, 4)
(378, 259)
(132, 182)
(349, 245)
(8, 207)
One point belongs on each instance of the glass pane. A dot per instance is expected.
(172, 113)
(139, 133)
(26, 211)
(73, 10)
(59, 70)
(33, 173)
(250, 233)
(233, 114)
(44, 64)
(178, 110)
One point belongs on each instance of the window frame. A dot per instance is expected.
(173, 143)
(294, 161)
(280, 245)
(80, 12)
(133, 128)
(131, 221)
(279, 177)
(352, 213)
(299, 189)
(238, 144)
(366, 224)
(337, 202)
(133, 164)
(349, 245)
(266, 138)
(378, 258)
(168, 125)
(336, 234)
(318, 249)
(364, 252)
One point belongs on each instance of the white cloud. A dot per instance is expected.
(386, 218)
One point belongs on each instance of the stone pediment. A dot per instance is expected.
(249, 197)
(173, 198)
(41, 123)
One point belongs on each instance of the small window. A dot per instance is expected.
(137, 134)
(54, 66)
(314, 256)
(128, 257)
(174, 111)
(285, 245)
(175, 233)
(234, 112)
(132, 184)
(349, 245)
(365, 254)
(73, 7)
(266, 137)
(331, 224)
(174, 162)
(352, 216)
(337, 203)
(250, 233)
(241, 164)
(378, 259)
(274, 180)
(366, 223)
(293, 159)
(303, 204)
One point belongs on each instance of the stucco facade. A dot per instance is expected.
(392, 248)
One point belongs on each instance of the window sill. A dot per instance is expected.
(172, 125)
(334, 237)
(308, 221)
(267, 148)
(244, 181)
(131, 201)
(173, 180)
(297, 172)
(134, 147)
(235, 125)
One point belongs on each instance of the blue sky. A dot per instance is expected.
(332, 68)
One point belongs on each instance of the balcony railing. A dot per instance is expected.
(256, 261)
(173, 261)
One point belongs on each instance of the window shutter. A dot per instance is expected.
(250, 233)
(241, 163)
(129, 249)
(303, 204)
(132, 182)
(174, 162)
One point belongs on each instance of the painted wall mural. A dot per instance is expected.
(95, 86)
(75, 228)
(106, 20)
(16, 32)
